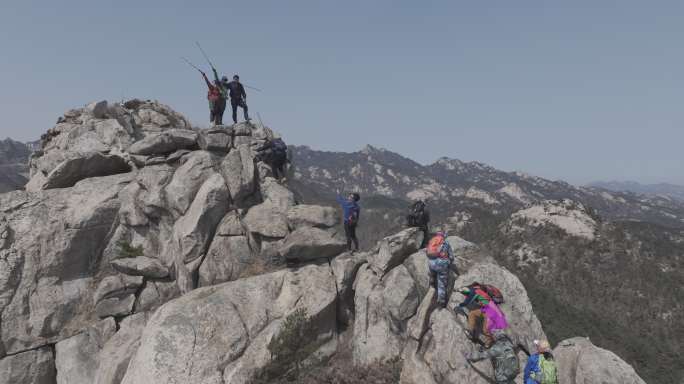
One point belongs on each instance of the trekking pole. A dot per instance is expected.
(260, 122)
(212, 66)
(204, 54)
(190, 64)
(255, 89)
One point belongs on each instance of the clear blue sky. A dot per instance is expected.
(574, 90)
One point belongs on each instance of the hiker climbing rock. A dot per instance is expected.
(541, 367)
(238, 96)
(274, 153)
(217, 103)
(419, 217)
(503, 356)
(484, 315)
(440, 256)
(350, 212)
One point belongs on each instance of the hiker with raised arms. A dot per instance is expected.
(217, 103)
(350, 214)
(440, 256)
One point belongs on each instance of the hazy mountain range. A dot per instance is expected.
(660, 189)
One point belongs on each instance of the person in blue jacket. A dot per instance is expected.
(351, 212)
(533, 370)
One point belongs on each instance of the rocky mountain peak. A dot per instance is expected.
(144, 250)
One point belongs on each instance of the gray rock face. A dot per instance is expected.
(394, 250)
(118, 285)
(115, 306)
(239, 171)
(308, 243)
(219, 333)
(579, 361)
(312, 216)
(165, 142)
(47, 293)
(76, 360)
(277, 195)
(382, 309)
(196, 168)
(219, 140)
(85, 165)
(97, 109)
(267, 220)
(114, 356)
(141, 266)
(71, 255)
(227, 257)
(32, 367)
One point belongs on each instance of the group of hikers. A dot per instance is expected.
(481, 304)
(218, 93)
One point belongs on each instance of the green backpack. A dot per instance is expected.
(548, 371)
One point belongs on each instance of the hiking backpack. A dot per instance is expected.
(507, 365)
(416, 216)
(494, 293)
(279, 146)
(548, 371)
(437, 248)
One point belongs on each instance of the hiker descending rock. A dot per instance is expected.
(274, 153)
(217, 102)
(503, 356)
(419, 217)
(238, 96)
(440, 256)
(484, 315)
(541, 366)
(350, 213)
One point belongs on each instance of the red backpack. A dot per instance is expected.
(493, 292)
(435, 248)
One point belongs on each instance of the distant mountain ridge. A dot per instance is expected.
(376, 171)
(14, 157)
(583, 253)
(660, 189)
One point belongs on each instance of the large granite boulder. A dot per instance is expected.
(312, 216)
(309, 243)
(220, 333)
(581, 362)
(82, 166)
(32, 367)
(165, 142)
(395, 249)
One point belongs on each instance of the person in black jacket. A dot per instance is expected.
(238, 97)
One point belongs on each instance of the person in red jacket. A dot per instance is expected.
(217, 102)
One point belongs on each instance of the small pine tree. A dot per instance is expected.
(291, 346)
(127, 250)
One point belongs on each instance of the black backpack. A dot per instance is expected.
(416, 216)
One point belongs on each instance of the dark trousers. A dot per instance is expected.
(216, 110)
(234, 103)
(350, 232)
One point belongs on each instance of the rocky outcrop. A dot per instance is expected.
(31, 367)
(310, 243)
(220, 333)
(580, 361)
(136, 274)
